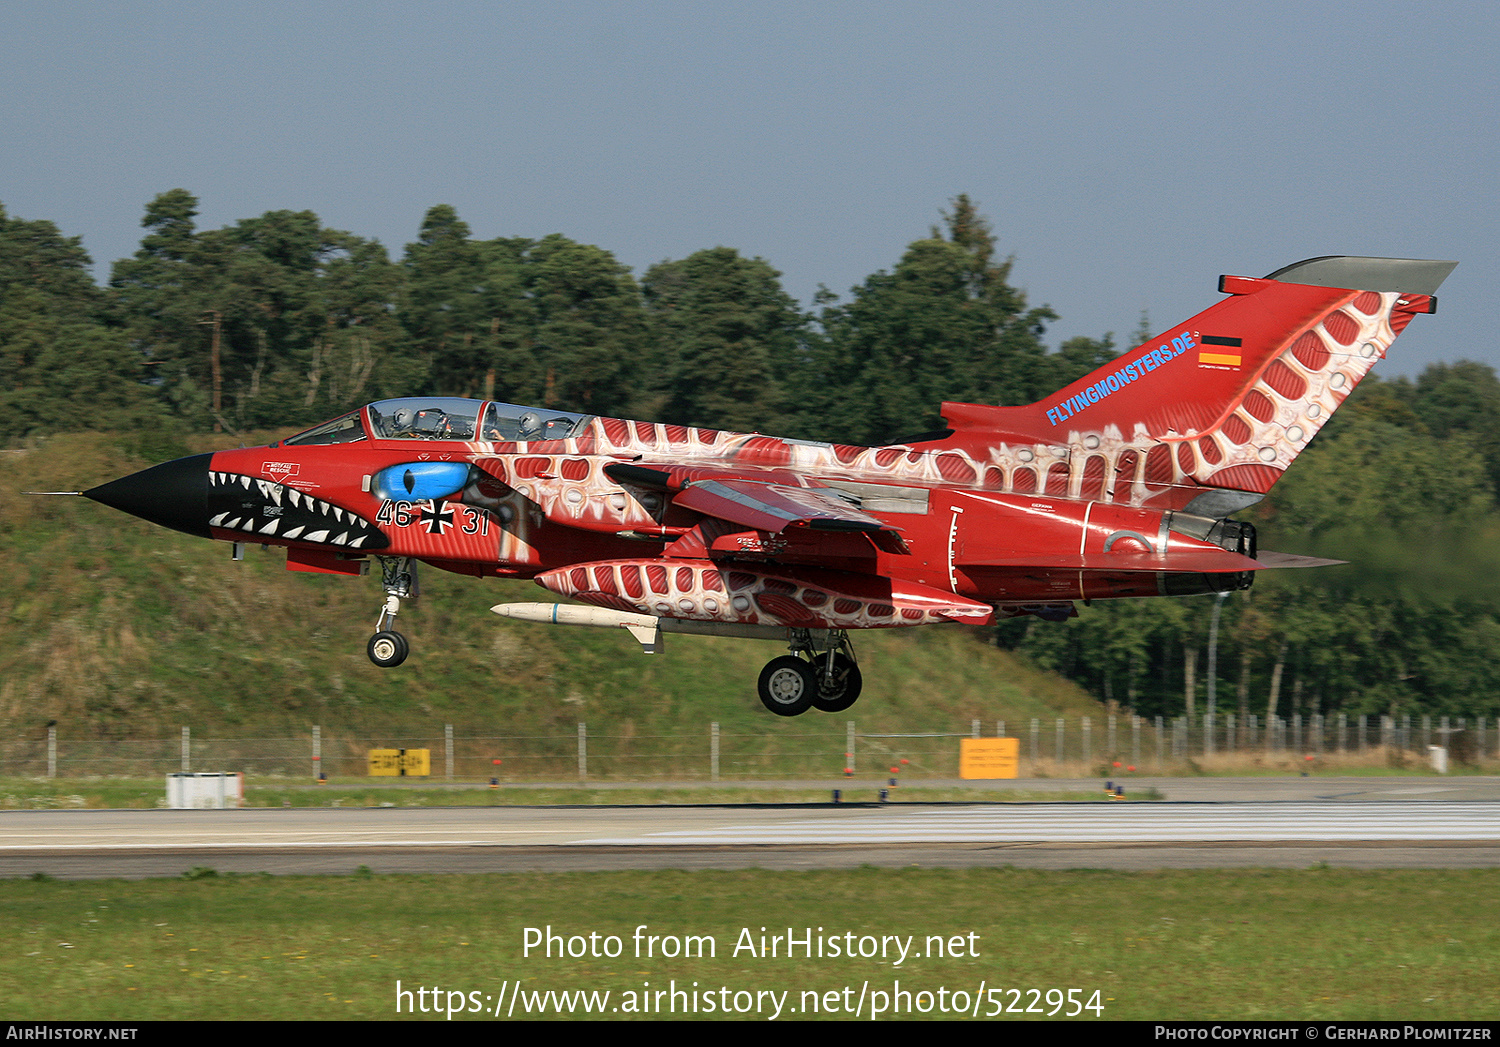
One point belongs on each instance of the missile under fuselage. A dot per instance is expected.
(646, 628)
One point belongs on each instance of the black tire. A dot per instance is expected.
(843, 691)
(388, 649)
(787, 686)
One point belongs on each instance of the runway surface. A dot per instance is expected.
(1360, 830)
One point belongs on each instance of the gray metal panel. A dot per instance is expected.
(1412, 275)
(883, 498)
(1217, 504)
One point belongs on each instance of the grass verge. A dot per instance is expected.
(1319, 944)
(112, 793)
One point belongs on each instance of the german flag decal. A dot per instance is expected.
(1226, 357)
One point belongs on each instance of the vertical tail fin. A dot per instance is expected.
(1227, 399)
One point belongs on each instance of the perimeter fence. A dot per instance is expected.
(1052, 747)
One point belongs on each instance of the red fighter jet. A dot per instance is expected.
(1121, 484)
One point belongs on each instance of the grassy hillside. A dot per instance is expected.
(114, 627)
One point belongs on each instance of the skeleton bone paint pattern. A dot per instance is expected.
(705, 591)
(1246, 448)
(1293, 396)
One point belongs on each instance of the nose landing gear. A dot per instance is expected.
(398, 577)
(829, 681)
(388, 649)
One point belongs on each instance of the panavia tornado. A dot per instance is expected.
(1122, 484)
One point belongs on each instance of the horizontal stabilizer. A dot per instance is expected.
(1273, 560)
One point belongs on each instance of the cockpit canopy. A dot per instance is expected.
(446, 418)
(424, 418)
(513, 422)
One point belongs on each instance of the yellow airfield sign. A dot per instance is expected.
(402, 763)
(989, 757)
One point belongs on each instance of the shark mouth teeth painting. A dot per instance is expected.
(269, 511)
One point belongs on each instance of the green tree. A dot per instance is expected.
(444, 309)
(550, 321)
(590, 332)
(945, 324)
(727, 334)
(62, 366)
(274, 320)
(1462, 397)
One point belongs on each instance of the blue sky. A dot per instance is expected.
(1126, 154)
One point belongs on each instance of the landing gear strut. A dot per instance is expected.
(398, 577)
(806, 679)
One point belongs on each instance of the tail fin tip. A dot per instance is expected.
(1407, 275)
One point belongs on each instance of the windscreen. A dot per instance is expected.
(345, 429)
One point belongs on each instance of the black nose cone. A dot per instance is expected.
(173, 494)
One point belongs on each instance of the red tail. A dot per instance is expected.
(1227, 399)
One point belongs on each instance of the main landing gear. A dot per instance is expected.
(398, 577)
(828, 681)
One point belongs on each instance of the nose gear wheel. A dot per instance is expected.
(388, 649)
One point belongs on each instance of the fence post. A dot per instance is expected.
(448, 747)
(1159, 742)
(1036, 730)
(1057, 749)
(849, 743)
(187, 759)
(1087, 739)
(1109, 731)
(317, 753)
(1135, 740)
(52, 750)
(713, 751)
(974, 728)
(999, 728)
(583, 752)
